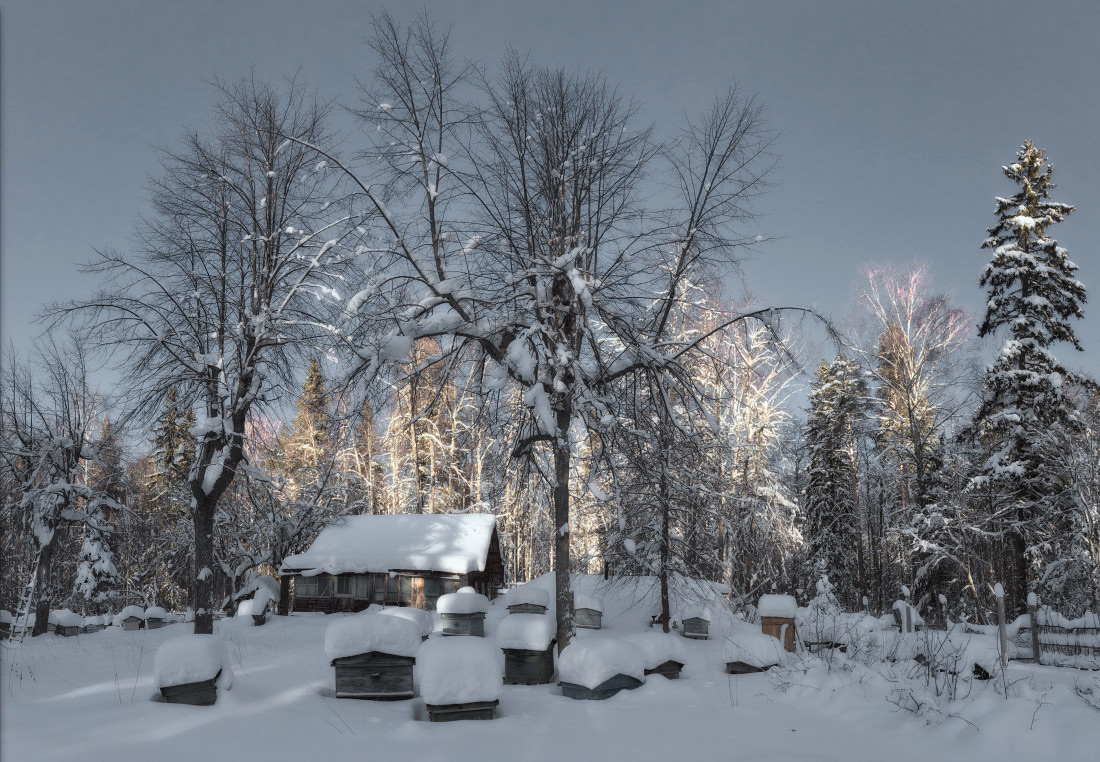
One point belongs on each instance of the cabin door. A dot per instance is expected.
(418, 593)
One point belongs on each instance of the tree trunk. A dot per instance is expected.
(1019, 571)
(42, 589)
(665, 612)
(204, 564)
(562, 457)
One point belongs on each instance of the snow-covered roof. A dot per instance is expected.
(456, 543)
(531, 632)
(530, 594)
(363, 633)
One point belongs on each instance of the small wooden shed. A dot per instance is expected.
(528, 644)
(463, 613)
(527, 599)
(374, 656)
(588, 612)
(696, 622)
(777, 614)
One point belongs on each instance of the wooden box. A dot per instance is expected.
(526, 608)
(528, 667)
(154, 623)
(697, 628)
(773, 625)
(474, 710)
(741, 668)
(464, 624)
(203, 693)
(132, 623)
(374, 675)
(604, 690)
(590, 619)
(670, 669)
(67, 632)
(91, 628)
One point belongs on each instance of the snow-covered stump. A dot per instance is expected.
(527, 600)
(696, 623)
(132, 618)
(598, 669)
(155, 618)
(528, 644)
(374, 656)
(463, 613)
(777, 613)
(661, 654)
(747, 652)
(588, 612)
(64, 622)
(425, 625)
(460, 679)
(189, 669)
(263, 602)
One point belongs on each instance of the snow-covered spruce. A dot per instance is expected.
(527, 599)
(421, 618)
(463, 613)
(588, 611)
(599, 668)
(190, 668)
(460, 678)
(662, 654)
(528, 644)
(750, 651)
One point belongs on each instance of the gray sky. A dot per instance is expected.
(895, 117)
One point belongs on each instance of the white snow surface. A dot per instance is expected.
(582, 601)
(592, 661)
(530, 594)
(5, 617)
(155, 612)
(696, 612)
(533, 632)
(452, 543)
(423, 620)
(130, 611)
(192, 659)
(460, 670)
(753, 648)
(465, 601)
(362, 633)
(777, 606)
(658, 647)
(244, 610)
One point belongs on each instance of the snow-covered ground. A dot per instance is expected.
(90, 697)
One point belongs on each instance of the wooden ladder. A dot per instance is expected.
(25, 603)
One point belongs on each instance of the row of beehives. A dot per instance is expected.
(67, 623)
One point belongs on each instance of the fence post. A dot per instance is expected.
(1033, 612)
(1000, 593)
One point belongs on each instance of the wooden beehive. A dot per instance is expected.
(154, 623)
(670, 669)
(133, 623)
(374, 675)
(697, 628)
(741, 668)
(774, 626)
(528, 667)
(474, 710)
(526, 608)
(464, 624)
(202, 693)
(604, 690)
(589, 619)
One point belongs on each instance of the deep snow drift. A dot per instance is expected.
(90, 697)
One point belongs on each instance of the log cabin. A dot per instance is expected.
(396, 560)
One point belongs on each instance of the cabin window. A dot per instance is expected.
(391, 588)
(450, 586)
(363, 586)
(406, 589)
(432, 588)
(305, 587)
(380, 588)
(344, 584)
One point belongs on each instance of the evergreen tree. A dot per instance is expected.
(1033, 294)
(832, 511)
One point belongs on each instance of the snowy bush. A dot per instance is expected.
(192, 659)
(591, 662)
(363, 633)
(754, 649)
(533, 632)
(460, 671)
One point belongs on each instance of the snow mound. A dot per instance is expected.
(460, 671)
(364, 633)
(777, 606)
(130, 611)
(421, 618)
(462, 602)
(262, 600)
(65, 618)
(696, 612)
(588, 602)
(192, 659)
(93, 620)
(155, 612)
(591, 662)
(657, 647)
(5, 617)
(536, 596)
(753, 648)
(533, 632)
(244, 611)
